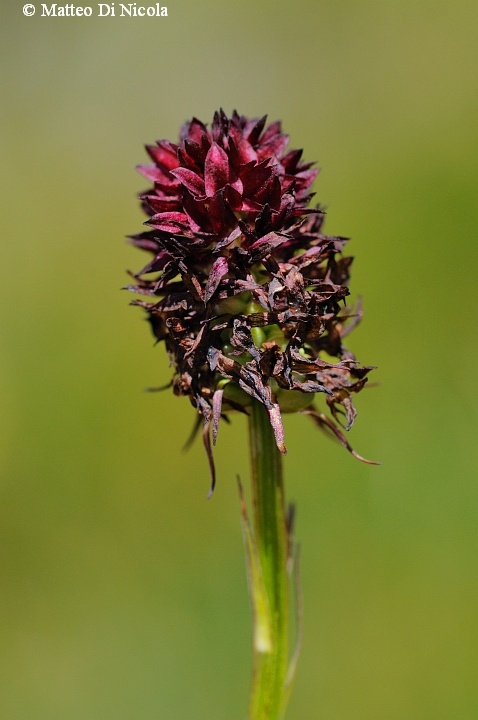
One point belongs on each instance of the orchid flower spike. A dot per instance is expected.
(243, 287)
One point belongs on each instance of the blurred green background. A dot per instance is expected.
(123, 592)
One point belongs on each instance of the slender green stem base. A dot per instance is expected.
(270, 662)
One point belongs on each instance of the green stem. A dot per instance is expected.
(271, 537)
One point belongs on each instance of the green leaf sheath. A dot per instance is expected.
(271, 543)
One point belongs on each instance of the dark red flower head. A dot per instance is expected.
(246, 286)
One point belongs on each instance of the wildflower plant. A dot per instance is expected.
(248, 295)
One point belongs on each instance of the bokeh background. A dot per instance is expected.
(123, 592)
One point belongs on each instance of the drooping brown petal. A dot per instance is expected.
(325, 423)
(191, 282)
(216, 409)
(169, 271)
(158, 389)
(276, 422)
(342, 397)
(158, 263)
(242, 338)
(207, 445)
(309, 386)
(145, 241)
(197, 342)
(140, 290)
(195, 429)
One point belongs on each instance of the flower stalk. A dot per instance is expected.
(271, 550)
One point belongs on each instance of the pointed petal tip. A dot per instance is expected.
(364, 460)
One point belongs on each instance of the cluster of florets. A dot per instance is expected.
(246, 287)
